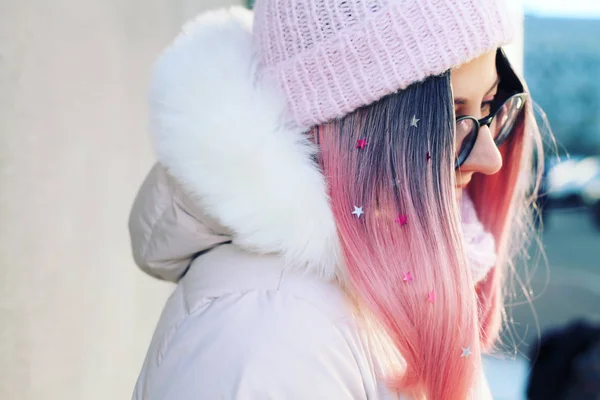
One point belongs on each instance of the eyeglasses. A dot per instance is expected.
(500, 122)
(511, 99)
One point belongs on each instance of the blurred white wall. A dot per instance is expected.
(76, 315)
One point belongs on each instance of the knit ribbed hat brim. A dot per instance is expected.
(400, 43)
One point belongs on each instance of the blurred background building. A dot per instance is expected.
(562, 62)
(560, 281)
(76, 315)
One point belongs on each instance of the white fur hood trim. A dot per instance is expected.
(223, 135)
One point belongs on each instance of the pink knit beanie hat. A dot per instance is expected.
(331, 57)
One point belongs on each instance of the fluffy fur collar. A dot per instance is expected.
(224, 136)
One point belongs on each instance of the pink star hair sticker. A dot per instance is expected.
(407, 277)
(361, 143)
(431, 297)
(402, 219)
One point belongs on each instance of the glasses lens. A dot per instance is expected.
(466, 135)
(506, 117)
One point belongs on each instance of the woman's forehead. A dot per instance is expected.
(475, 78)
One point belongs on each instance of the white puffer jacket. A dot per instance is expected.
(258, 312)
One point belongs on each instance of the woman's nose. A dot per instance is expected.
(485, 156)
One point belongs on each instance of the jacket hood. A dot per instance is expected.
(225, 136)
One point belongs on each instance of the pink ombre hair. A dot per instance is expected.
(393, 175)
(505, 202)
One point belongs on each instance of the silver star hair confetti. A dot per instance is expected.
(358, 211)
(414, 121)
(466, 352)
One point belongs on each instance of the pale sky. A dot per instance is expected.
(563, 8)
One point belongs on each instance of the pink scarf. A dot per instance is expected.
(480, 244)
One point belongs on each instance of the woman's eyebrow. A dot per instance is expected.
(461, 101)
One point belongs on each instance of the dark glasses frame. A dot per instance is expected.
(513, 88)
(487, 121)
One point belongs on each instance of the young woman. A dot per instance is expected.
(337, 190)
